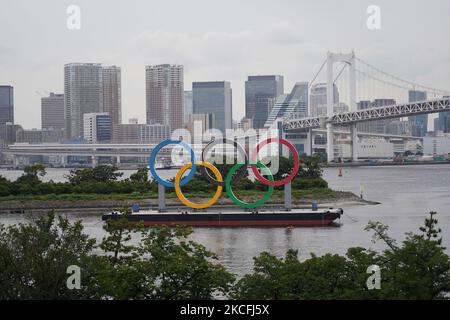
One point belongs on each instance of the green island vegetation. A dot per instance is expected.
(102, 182)
(132, 262)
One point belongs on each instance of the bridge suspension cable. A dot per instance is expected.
(410, 84)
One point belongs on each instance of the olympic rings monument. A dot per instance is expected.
(248, 215)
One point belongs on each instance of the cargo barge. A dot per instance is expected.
(267, 218)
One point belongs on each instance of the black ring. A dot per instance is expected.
(240, 173)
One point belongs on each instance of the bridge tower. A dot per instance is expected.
(349, 59)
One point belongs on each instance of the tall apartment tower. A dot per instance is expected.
(112, 93)
(52, 111)
(214, 97)
(6, 104)
(260, 91)
(165, 95)
(83, 93)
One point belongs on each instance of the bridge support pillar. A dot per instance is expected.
(309, 143)
(330, 142)
(94, 161)
(354, 135)
(62, 160)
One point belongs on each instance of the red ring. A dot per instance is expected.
(283, 181)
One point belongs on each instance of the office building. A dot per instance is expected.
(165, 95)
(398, 127)
(97, 127)
(376, 126)
(140, 133)
(260, 92)
(83, 93)
(442, 122)
(112, 93)
(245, 124)
(214, 97)
(200, 123)
(52, 112)
(318, 97)
(419, 123)
(321, 110)
(188, 107)
(6, 104)
(286, 104)
(35, 136)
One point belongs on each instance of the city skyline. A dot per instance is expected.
(272, 42)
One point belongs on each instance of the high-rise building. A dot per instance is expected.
(442, 122)
(295, 102)
(419, 123)
(214, 97)
(52, 111)
(318, 96)
(97, 127)
(112, 93)
(165, 95)
(376, 126)
(6, 104)
(260, 91)
(188, 107)
(83, 93)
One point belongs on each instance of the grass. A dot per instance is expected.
(316, 192)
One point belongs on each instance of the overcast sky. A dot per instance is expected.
(214, 40)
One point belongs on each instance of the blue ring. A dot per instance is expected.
(152, 158)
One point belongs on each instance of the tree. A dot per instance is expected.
(179, 268)
(104, 173)
(31, 174)
(119, 233)
(34, 258)
(419, 268)
(140, 176)
(310, 167)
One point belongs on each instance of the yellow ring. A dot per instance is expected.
(193, 204)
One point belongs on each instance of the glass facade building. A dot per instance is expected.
(104, 128)
(97, 127)
(6, 104)
(419, 123)
(286, 104)
(260, 92)
(215, 98)
(188, 108)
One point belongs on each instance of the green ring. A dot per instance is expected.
(243, 204)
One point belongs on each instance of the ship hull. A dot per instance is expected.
(243, 219)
